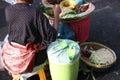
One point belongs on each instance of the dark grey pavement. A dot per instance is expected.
(105, 29)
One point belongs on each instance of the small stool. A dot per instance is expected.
(16, 76)
(41, 74)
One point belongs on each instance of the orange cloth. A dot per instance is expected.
(18, 58)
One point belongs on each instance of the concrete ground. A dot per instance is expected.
(105, 29)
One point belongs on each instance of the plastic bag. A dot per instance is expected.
(1, 62)
(63, 51)
(26, 76)
(1, 45)
(10, 1)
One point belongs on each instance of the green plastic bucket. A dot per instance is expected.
(60, 71)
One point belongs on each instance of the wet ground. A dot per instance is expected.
(105, 29)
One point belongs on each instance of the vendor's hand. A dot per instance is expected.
(56, 10)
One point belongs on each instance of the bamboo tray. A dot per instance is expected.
(96, 46)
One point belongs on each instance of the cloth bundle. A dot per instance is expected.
(18, 58)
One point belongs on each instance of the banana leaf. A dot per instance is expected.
(47, 11)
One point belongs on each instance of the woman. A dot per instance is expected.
(29, 32)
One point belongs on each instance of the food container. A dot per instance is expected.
(96, 67)
(63, 57)
(80, 22)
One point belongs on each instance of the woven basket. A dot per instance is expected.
(96, 46)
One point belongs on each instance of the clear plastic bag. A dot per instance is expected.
(1, 45)
(1, 62)
(63, 51)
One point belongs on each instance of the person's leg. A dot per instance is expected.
(40, 57)
(34, 77)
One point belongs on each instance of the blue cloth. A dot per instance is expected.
(66, 32)
(79, 2)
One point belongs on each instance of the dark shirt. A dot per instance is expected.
(27, 24)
